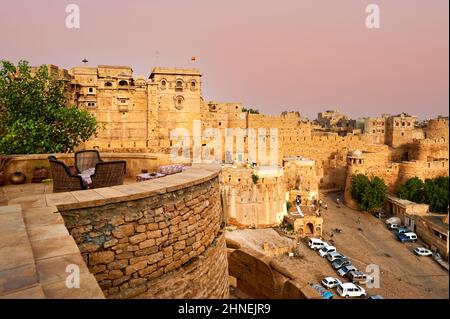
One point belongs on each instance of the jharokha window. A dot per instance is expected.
(179, 86)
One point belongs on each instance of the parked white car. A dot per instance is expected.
(334, 256)
(315, 243)
(330, 282)
(323, 252)
(393, 226)
(349, 289)
(420, 251)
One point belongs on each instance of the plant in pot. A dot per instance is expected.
(40, 173)
(3, 162)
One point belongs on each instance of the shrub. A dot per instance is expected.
(34, 115)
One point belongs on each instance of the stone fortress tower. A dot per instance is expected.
(175, 95)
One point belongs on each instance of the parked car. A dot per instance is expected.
(349, 289)
(392, 226)
(402, 230)
(315, 243)
(334, 256)
(323, 252)
(339, 263)
(330, 282)
(325, 293)
(407, 237)
(380, 215)
(358, 277)
(343, 272)
(420, 251)
(375, 297)
(393, 220)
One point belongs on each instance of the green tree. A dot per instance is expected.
(412, 190)
(255, 178)
(34, 115)
(250, 110)
(359, 184)
(436, 193)
(370, 194)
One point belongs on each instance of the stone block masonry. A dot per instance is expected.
(167, 245)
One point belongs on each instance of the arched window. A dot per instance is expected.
(179, 85)
(108, 84)
(123, 83)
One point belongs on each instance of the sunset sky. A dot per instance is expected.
(302, 55)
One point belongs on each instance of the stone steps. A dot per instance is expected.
(35, 251)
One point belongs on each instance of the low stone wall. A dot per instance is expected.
(168, 244)
(261, 276)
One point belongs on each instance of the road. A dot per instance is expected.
(366, 240)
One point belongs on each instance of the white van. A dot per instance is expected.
(315, 243)
(349, 289)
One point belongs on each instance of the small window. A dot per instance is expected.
(91, 90)
(123, 83)
(163, 82)
(179, 86)
(193, 84)
(108, 84)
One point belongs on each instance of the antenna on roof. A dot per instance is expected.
(84, 61)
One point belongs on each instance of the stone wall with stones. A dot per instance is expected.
(168, 245)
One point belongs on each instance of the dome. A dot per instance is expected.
(356, 153)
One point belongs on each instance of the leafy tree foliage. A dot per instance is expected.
(359, 183)
(250, 110)
(434, 192)
(370, 194)
(412, 190)
(34, 116)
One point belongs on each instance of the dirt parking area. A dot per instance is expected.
(366, 240)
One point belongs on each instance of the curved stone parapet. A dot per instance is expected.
(155, 239)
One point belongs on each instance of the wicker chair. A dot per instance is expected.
(63, 181)
(108, 174)
(86, 159)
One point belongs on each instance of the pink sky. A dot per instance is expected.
(305, 55)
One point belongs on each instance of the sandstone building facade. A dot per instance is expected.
(142, 114)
